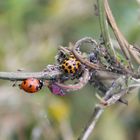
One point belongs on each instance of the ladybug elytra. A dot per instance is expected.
(71, 65)
(31, 85)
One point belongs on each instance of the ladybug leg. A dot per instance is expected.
(14, 84)
(19, 85)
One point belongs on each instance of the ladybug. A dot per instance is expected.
(31, 85)
(71, 65)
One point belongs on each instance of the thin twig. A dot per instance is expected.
(18, 76)
(134, 53)
(92, 122)
(104, 28)
(125, 46)
(119, 36)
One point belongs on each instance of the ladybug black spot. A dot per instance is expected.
(30, 86)
(70, 67)
(24, 82)
(71, 71)
(66, 64)
(75, 69)
(66, 71)
(78, 64)
(63, 66)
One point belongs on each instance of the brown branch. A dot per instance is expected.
(104, 29)
(125, 46)
(77, 45)
(121, 40)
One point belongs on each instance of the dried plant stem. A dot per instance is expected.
(121, 40)
(77, 45)
(111, 97)
(104, 28)
(92, 122)
(18, 76)
(120, 88)
(125, 46)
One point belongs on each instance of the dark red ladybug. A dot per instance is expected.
(31, 85)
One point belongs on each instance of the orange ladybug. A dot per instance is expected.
(31, 85)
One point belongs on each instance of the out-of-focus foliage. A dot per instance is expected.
(30, 33)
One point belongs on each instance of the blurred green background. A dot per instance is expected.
(30, 33)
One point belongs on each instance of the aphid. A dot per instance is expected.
(31, 85)
(71, 65)
(93, 57)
